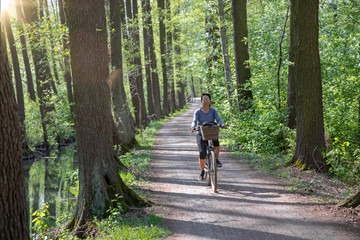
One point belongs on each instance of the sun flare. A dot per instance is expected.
(5, 4)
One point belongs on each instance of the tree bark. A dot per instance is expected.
(14, 217)
(162, 39)
(22, 29)
(192, 87)
(310, 141)
(15, 62)
(154, 73)
(99, 180)
(45, 7)
(213, 46)
(123, 119)
(146, 33)
(66, 60)
(169, 59)
(291, 99)
(225, 52)
(178, 64)
(138, 64)
(241, 48)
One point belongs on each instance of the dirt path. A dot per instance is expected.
(247, 206)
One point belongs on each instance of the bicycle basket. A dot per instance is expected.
(210, 132)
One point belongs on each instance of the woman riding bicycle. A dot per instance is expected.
(201, 115)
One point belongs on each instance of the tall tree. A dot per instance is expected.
(291, 99)
(14, 217)
(146, 34)
(169, 57)
(5, 19)
(225, 51)
(123, 118)
(66, 59)
(241, 48)
(134, 63)
(138, 64)
(162, 39)
(310, 142)
(22, 30)
(178, 65)
(153, 62)
(93, 120)
(42, 68)
(213, 46)
(46, 16)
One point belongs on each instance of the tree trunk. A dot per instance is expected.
(178, 64)
(123, 119)
(93, 120)
(169, 59)
(192, 87)
(291, 99)
(42, 68)
(162, 39)
(129, 35)
(45, 7)
(281, 59)
(138, 64)
(241, 48)
(154, 73)
(67, 64)
(14, 217)
(310, 141)
(146, 33)
(15, 62)
(225, 52)
(213, 47)
(29, 78)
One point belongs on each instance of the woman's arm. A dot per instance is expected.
(218, 120)
(194, 122)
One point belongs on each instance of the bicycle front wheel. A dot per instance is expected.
(213, 171)
(208, 166)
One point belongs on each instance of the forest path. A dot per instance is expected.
(249, 204)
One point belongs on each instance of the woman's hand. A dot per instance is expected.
(192, 129)
(224, 125)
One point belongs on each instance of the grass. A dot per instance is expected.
(145, 227)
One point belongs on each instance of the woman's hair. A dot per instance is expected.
(205, 94)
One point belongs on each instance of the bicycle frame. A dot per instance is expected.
(211, 167)
(210, 164)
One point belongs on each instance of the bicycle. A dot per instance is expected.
(210, 132)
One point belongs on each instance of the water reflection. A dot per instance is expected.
(52, 180)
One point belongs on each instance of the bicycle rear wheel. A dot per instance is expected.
(213, 171)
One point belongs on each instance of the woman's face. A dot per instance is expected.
(206, 101)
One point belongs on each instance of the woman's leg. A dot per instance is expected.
(202, 164)
(202, 151)
(217, 152)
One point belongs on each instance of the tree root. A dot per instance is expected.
(351, 201)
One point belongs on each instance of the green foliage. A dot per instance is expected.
(344, 158)
(61, 124)
(339, 45)
(34, 132)
(145, 227)
(42, 221)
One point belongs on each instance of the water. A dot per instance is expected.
(52, 180)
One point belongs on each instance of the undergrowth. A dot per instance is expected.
(119, 225)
